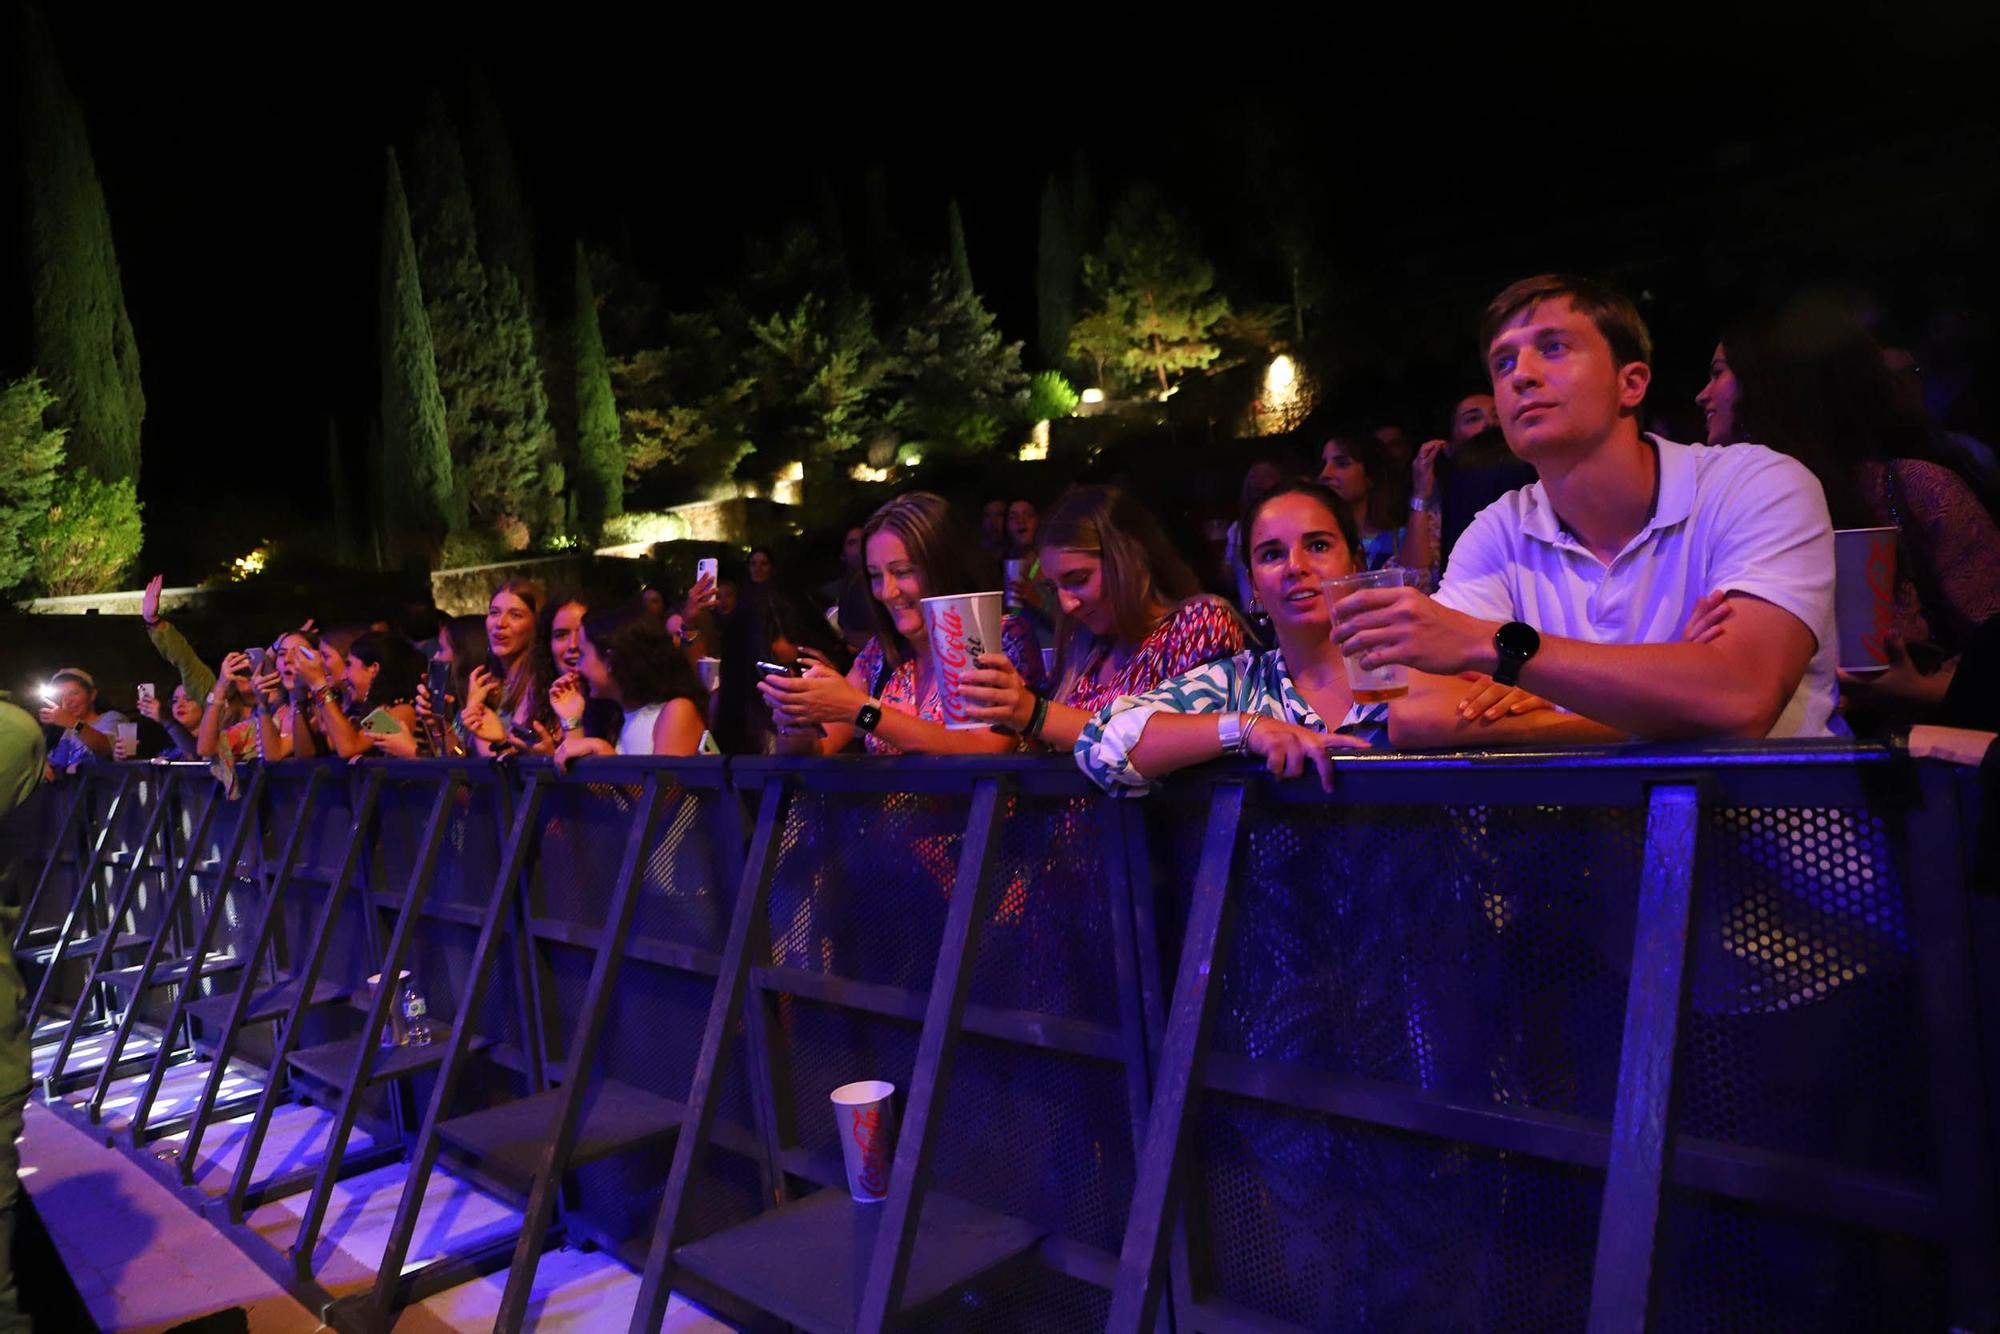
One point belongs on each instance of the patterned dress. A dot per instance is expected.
(898, 688)
(1249, 682)
(1200, 630)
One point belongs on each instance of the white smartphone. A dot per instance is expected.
(145, 692)
(706, 568)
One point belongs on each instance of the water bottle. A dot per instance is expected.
(416, 1028)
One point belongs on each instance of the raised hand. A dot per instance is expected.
(149, 605)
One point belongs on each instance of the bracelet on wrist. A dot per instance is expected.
(1037, 719)
(569, 724)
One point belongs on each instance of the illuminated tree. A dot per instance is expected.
(415, 480)
(600, 456)
(1153, 306)
(496, 411)
(83, 338)
(31, 455)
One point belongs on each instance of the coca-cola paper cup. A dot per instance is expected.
(961, 627)
(867, 1121)
(1864, 596)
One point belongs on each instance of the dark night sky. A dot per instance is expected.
(242, 169)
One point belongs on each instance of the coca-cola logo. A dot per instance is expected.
(865, 1125)
(958, 647)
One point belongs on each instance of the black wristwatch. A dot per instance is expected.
(1515, 642)
(871, 714)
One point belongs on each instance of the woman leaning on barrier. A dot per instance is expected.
(626, 657)
(1129, 615)
(1273, 704)
(915, 548)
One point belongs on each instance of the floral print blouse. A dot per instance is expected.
(1249, 682)
(897, 688)
(1200, 630)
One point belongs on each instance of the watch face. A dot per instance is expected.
(1517, 640)
(868, 717)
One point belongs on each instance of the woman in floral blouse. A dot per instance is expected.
(915, 548)
(1129, 614)
(1273, 704)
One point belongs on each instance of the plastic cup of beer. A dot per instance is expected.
(1370, 685)
(867, 1121)
(961, 626)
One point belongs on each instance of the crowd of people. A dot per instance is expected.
(1569, 578)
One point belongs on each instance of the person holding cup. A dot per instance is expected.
(1129, 615)
(1274, 704)
(1584, 587)
(900, 695)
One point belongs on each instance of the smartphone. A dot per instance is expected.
(437, 678)
(382, 723)
(523, 735)
(48, 693)
(145, 692)
(256, 656)
(706, 568)
(779, 668)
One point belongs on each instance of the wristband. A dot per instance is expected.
(1231, 732)
(1418, 504)
(570, 724)
(1037, 719)
(328, 693)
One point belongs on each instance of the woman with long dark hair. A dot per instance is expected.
(915, 547)
(1289, 705)
(506, 705)
(1806, 379)
(630, 659)
(1129, 614)
(1392, 508)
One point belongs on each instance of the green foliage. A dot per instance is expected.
(1153, 304)
(678, 406)
(31, 454)
(474, 546)
(960, 261)
(482, 334)
(1050, 396)
(600, 456)
(86, 536)
(648, 526)
(418, 493)
(83, 336)
(816, 367)
(955, 382)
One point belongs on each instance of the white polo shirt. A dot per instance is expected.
(1741, 518)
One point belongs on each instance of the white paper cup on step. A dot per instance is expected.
(867, 1122)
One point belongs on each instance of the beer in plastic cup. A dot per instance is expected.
(710, 671)
(129, 734)
(1864, 596)
(867, 1121)
(395, 1033)
(1370, 685)
(1016, 570)
(961, 626)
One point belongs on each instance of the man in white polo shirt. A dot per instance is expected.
(1578, 588)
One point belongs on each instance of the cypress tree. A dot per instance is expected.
(961, 262)
(600, 451)
(83, 336)
(496, 410)
(415, 481)
(1055, 277)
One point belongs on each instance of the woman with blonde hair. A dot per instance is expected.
(1129, 614)
(914, 547)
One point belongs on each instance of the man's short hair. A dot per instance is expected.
(1608, 308)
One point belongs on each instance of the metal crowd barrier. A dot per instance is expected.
(1668, 1038)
